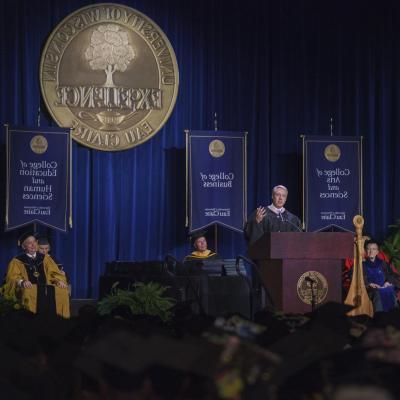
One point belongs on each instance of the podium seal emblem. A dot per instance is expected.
(312, 286)
(109, 72)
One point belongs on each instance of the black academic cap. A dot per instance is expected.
(197, 234)
(134, 354)
(371, 241)
(25, 236)
(10, 391)
(387, 318)
(305, 347)
(333, 315)
(43, 241)
(25, 328)
(324, 335)
(333, 309)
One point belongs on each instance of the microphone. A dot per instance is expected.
(311, 280)
(298, 229)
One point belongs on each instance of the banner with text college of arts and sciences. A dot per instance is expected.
(38, 174)
(332, 182)
(216, 179)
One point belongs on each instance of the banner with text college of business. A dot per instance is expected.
(332, 182)
(216, 179)
(37, 176)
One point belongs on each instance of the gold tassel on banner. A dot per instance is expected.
(357, 295)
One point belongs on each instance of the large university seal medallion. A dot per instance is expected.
(110, 73)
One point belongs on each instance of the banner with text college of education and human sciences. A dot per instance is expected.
(216, 179)
(38, 175)
(332, 171)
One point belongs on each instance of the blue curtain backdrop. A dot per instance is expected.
(273, 68)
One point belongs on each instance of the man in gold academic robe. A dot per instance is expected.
(202, 251)
(36, 280)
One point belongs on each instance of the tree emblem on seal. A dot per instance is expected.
(110, 51)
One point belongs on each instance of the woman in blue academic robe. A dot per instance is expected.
(380, 281)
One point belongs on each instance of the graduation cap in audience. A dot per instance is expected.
(325, 335)
(383, 319)
(24, 328)
(135, 354)
(24, 344)
(15, 366)
(10, 391)
(334, 316)
(25, 235)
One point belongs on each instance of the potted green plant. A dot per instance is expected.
(391, 245)
(144, 299)
(8, 300)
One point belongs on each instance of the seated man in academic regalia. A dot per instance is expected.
(201, 248)
(45, 248)
(379, 279)
(37, 281)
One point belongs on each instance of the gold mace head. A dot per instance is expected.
(358, 220)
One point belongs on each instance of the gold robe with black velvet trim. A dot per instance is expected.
(17, 271)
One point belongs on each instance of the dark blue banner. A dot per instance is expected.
(216, 179)
(38, 170)
(332, 182)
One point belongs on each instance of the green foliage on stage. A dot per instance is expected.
(391, 245)
(144, 299)
(8, 300)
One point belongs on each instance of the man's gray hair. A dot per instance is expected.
(279, 187)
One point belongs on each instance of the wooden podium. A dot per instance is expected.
(301, 270)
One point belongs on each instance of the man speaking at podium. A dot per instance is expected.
(274, 218)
